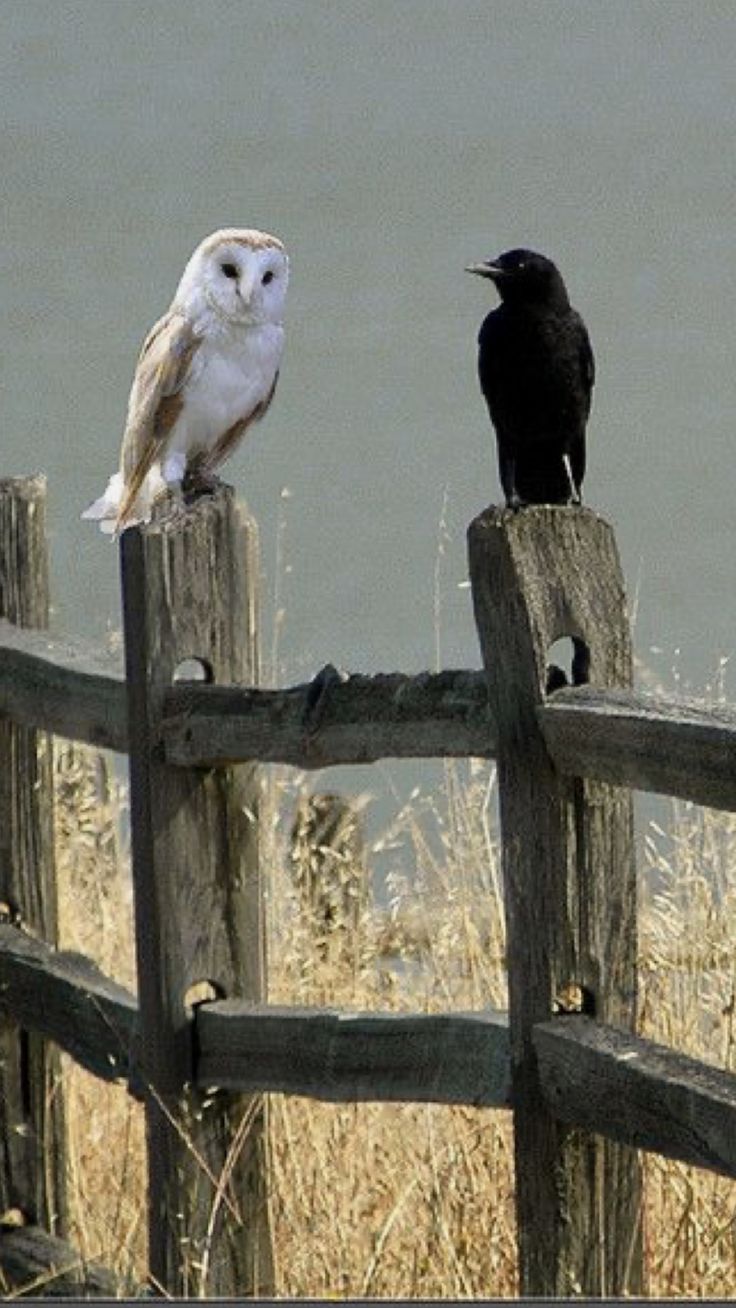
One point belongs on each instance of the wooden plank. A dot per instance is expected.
(570, 889)
(673, 746)
(70, 687)
(331, 720)
(64, 686)
(448, 1058)
(189, 586)
(592, 1076)
(667, 744)
(32, 1160)
(634, 1090)
(64, 997)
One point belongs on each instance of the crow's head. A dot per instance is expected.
(524, 277)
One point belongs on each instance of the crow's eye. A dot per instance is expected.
(229, 270)
(266, 278)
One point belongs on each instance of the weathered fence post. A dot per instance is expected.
(189, 592)
(32, 1157)
(570, 882)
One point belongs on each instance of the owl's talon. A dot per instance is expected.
(197, 483)
(168, 503)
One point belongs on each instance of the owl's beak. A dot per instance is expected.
(246, 287)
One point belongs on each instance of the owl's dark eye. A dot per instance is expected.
(266, 278)
(229, 270)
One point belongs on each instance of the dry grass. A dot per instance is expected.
(410, 1200)
(380, 1200)
(688, 984)
(105, 1126)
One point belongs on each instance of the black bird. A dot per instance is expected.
(536, 371)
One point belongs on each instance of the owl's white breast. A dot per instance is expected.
(231, 373)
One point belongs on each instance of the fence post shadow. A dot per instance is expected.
(189, 585)
(569, 878)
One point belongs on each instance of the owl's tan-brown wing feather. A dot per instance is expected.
(155, 402)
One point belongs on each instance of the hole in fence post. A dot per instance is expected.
(202, 992)
(580, 662)
(194, 670)
(568, 664)
(10, 914)
(574, 998)
(14, 1218)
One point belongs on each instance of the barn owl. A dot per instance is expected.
(207, 371)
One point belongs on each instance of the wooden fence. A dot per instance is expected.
(585, 1091)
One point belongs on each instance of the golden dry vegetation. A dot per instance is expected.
(410, 1200)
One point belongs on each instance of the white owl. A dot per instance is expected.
(206, 372)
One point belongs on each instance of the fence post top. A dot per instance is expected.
(517, 525)
(542, 574)
(28, 488)
(170, 517)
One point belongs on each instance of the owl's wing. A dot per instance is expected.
(155, 401)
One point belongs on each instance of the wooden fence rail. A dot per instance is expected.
(666, 744)
(584, 1089)
(612, 1082)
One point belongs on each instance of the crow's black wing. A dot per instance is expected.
(495, 365)
(587, 361)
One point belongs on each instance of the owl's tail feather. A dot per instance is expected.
(106, 509)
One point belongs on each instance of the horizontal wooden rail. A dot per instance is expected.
(62, 686)
(669, 745)
(592, 1076)
(638, 1092)
(330, 720)
(454, 1058)
(672, 746)
(66, 998)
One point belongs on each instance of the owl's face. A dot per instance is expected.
(241, 275)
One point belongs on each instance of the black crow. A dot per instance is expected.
(536, 372)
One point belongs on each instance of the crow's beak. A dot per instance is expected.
(486, 269)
